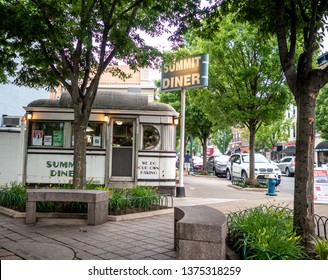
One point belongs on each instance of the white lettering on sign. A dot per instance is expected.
(183, 64)
(182, 81)
(186, 73)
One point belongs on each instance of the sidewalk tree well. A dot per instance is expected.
(299, 28)
(246, 83)
(74, 42)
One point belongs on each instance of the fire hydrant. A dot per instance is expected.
(272, 181)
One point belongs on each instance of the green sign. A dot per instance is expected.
(58, 138)
(186, 73)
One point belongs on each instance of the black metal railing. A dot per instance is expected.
(321, 224)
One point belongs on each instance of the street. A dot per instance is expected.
(214, 190)
(214, 187)
(221, 194)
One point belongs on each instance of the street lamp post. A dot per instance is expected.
(180, 190)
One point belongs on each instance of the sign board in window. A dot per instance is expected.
(47, 140)
(186, 73)
(96, 141)
(37, 137)
(58, 138)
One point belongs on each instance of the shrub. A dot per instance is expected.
(13, 196)
(264, 232)
(321, 247)
(248, 183)
(138, 198)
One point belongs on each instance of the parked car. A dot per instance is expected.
(217, 164)
(197, 163)
(238, 166)
(287, 165)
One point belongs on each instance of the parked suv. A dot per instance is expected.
(238, 166)
(287, 165)
(217, 164)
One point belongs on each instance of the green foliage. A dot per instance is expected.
(13, 196)
(265, 232)
(270, 135)
(125, 200)
(248, 183)
(246, 84)
(322, 113)
(221, 139)
(321, 247)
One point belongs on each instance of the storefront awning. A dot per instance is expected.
(289, 151)
(322, 147)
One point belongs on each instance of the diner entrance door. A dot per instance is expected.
(122, 148)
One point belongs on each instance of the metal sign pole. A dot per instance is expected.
(180, 190)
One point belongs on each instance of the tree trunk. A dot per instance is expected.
(303, 196)
(79, 166)
(204, 144)
(251, 152)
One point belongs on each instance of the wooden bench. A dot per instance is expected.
(97, 202)
(199, 233)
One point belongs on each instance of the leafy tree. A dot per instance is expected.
(270, 135)
(246, 84)
(73, 42)
(322, 113)
(299, 28)
(221, 139)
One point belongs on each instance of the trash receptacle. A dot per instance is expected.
(272, 181)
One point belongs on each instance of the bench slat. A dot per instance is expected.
(66, 195)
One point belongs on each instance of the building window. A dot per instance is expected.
(151, 137)
(47, 134)
(93, 135)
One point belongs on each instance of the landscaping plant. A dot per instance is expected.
(13, 196)
(264, 233)
(321, 247)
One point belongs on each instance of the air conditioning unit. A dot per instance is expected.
(11, 121)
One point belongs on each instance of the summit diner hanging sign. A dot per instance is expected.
(186, 73)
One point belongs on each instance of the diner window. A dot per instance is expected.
(47, 134)
(94, 135)
(151, 137)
